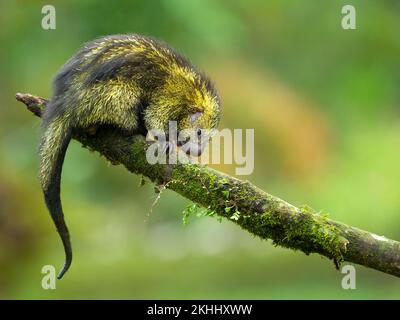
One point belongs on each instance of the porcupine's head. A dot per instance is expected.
(190, 99)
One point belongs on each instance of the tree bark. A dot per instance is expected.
(256, 211)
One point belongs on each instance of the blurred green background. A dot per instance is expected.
(325, 106)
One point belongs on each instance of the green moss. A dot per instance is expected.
(299, 229)
(194, 209)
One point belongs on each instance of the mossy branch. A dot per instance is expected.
(256, 211)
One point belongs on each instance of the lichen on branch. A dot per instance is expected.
(254, 210)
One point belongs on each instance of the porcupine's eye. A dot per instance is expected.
(198, 132)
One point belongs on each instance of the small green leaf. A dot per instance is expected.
(235, 216)
(225, 193)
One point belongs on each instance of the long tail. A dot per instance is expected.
(54, 144)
